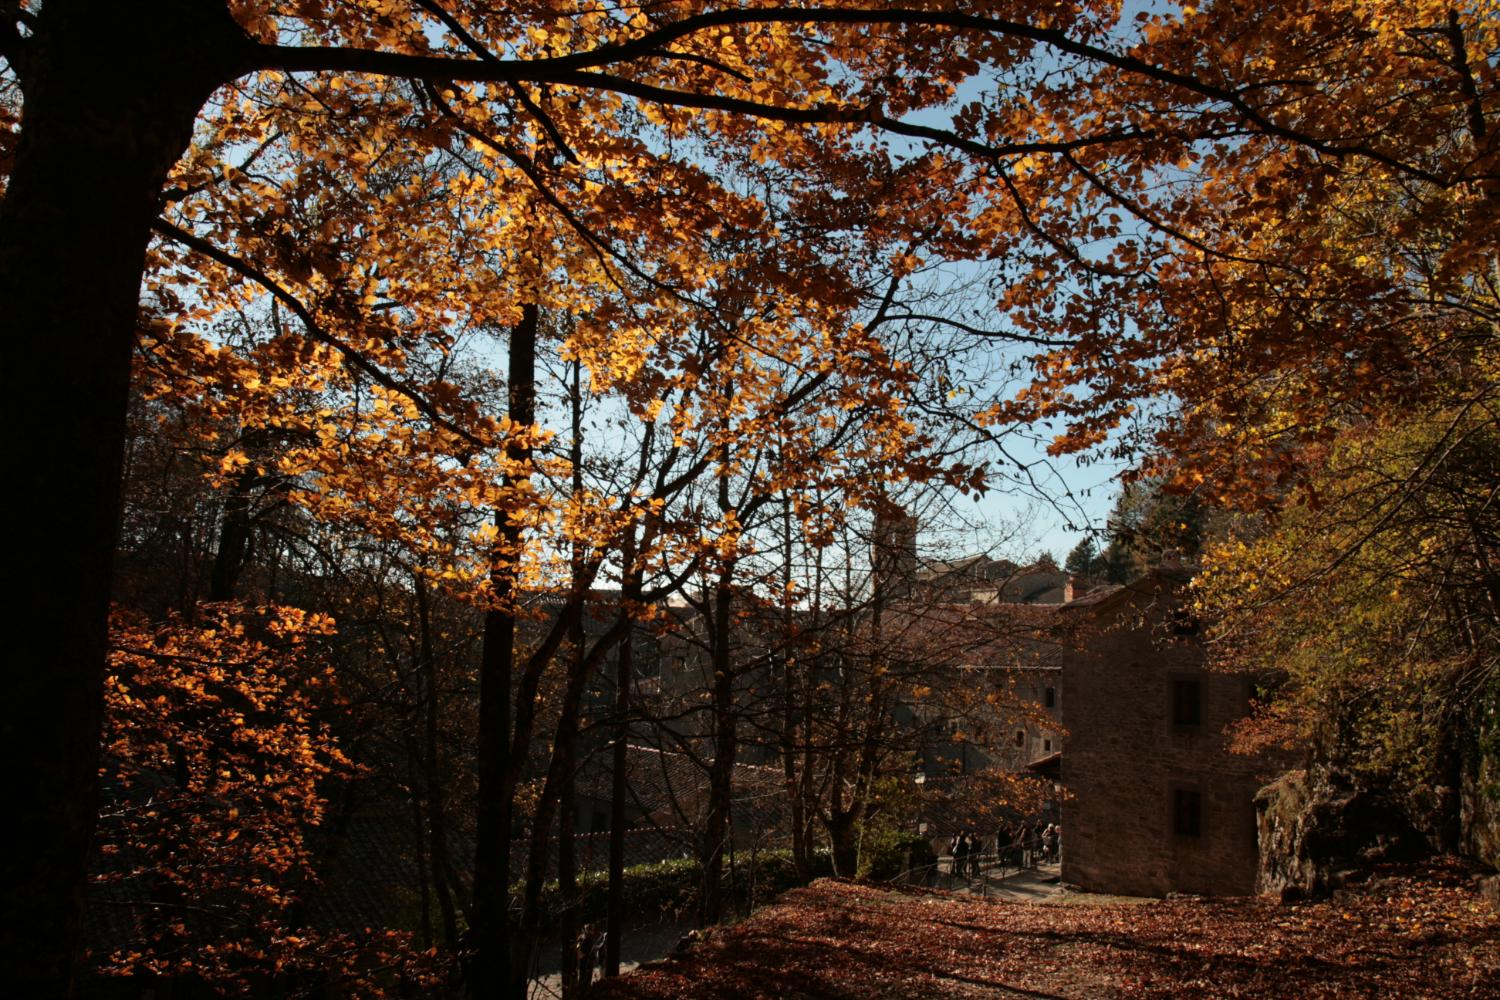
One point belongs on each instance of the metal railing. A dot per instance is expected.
(975, 873)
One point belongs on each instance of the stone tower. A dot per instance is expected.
(893, 555)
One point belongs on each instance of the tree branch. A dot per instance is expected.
(14, 47)
(315, 330)
(473, 45)
(1020, 338)
(573, 68)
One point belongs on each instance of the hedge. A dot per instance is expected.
(666, 890)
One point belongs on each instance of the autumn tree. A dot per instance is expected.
(1368, 602)
(852, 669)
(107, 146)
(1315, 353)
(215, 769)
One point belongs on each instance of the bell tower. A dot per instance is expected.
(893, 554)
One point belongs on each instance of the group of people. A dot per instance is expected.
(1021, 845)
(1027, 844)
(967, 848)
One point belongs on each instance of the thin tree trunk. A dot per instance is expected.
(437, 812)
(807, 788)
(791, 665)
(840, 819)
(234, 533)
(570, 923)
(559, 773)
(418, 834)
(721, 771)
(567, 813)
(493, 969)
(789, 762)
(630, 591)
(111, 92)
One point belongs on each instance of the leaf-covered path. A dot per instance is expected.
(1405, 935)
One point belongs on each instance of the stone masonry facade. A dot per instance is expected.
(1157, 803)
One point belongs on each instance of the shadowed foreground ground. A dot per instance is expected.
(1406, 935)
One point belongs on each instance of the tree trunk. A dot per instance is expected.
(843, 843)
(570, 925)
(437, 812)
(492, 971)
(630, 591)
(791, 724)
(570, 922)
(234, 540)
(418, 834)
(559, 776)
(793, 762)
(721, 771)
(111, 92)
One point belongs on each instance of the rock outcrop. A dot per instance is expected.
(1320, 826)
(1479, 807)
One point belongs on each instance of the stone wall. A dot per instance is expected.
(1136, 773)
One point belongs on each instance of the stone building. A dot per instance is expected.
(981, 580)
(1021, 670)
(995, 678)
(1157, 803)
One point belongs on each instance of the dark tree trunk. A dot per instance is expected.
(437, 813)
(630, 591)
(559, 775)
(721, 771)
(492, 971)
(493, 810)
(841, 816)
(234, 541)
(419, 834)
(570, 923)
(806, 792)
(111, 92)
(843, 843)
(791, 722)
(791, 772)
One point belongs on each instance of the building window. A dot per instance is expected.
(1050, 698)
(1020, 737)
(1187, 703)
(1046, 746)
(1187, 812)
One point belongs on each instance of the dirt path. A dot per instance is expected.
(1416, 935)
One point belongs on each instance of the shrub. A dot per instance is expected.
(666, 890)
(885, 854)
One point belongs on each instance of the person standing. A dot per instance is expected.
(1033, 843)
